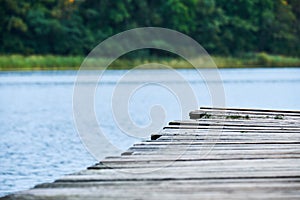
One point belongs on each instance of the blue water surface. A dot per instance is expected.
(38, 137)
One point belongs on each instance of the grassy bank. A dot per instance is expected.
(49, 62)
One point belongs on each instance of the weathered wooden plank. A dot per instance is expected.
(239, 128)
(238, 182)
(252, 112)
(199, 114)
(183, 130)
(212, 152)
(181, 174)
(199, 163)
(222, 136)
(233, 133)
(170, 190)
(162, 150)
(225, 153)
(214, 147)
(233, 116)
(230, 136)
(200, 157)
(216, 132)
(237, 124)
(250, 109)
(249, 120)
(213, 142)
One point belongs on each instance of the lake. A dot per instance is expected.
(38, 137)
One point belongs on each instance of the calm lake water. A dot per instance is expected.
(38, 137)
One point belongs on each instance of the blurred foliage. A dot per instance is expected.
(222, 27)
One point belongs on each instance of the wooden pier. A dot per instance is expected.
(220, 153)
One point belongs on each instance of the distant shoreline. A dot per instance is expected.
(55, 62)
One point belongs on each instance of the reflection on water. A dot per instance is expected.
(38, 139)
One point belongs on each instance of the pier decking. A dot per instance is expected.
(220, 153)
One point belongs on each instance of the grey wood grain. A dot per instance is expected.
(223, 153)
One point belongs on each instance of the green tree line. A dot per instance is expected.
(222, 27)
